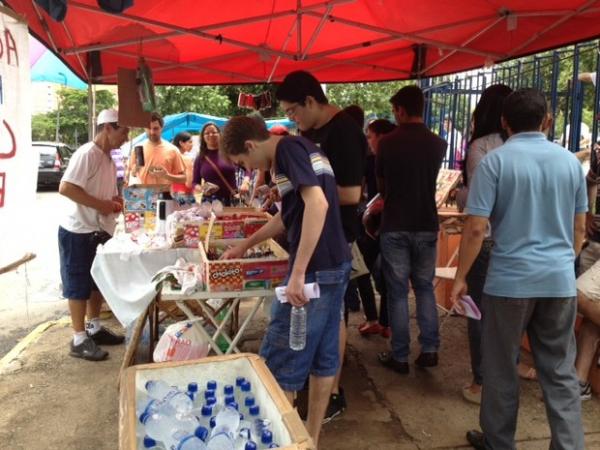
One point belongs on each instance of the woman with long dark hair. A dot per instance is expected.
(183, 192)
(210, 167)
(487, 135)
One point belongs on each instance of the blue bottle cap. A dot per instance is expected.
(228, 390)
(250, 445)
(239, 381)
(193, 387)
(255, 410)
(246, 386)
(267, 437)
(211, 401)
(201, 433)
(209, 393)
(149, 442)
(211, 385)
(207, 411)
(148, 384)
(142, 417)
(241, 416)
(234, 405)
(249, 401)
(229, 399)
(213, 421)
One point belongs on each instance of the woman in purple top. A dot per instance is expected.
(210, 167)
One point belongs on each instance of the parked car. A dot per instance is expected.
(54, 158)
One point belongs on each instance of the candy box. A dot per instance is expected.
(139, 206)
(288, 430)
(244, 273)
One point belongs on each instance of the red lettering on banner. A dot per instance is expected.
(8, 44)
(13, 150)
(2, 188)
(11, 46)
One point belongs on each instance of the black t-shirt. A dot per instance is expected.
(345, 145)
(298, 163)
(408, 160)
(593, 176)
(370, 178)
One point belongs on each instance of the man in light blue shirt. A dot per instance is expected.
(533, 192)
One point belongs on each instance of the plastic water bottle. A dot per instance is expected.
(179, 400)
(249, 401)
(221, 441)
(191, 443)
(297, 328)
(242, 437)
(228, 421)
(206, 414)
(193, 391)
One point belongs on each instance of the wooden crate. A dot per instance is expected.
(288, 430)
(244, 274)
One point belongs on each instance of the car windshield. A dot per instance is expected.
(46, 149)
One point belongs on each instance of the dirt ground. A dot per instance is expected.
(57, 402)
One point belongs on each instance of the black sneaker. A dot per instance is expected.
(429, 359)
(88, 350)
(106, 337)
(387, 360)
(336, 406)
(476, 439)
(585, 391)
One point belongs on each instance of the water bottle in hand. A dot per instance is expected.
(297, 328)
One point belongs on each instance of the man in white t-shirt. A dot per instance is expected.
(90, 182)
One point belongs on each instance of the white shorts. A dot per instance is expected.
(588, 282)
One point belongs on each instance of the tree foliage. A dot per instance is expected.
(73, 116)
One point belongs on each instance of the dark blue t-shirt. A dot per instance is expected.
(298, 163)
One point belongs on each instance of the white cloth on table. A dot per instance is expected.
(125, 277)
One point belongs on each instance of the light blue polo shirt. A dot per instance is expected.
(530, 189)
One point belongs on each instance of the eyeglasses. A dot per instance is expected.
(291, 111)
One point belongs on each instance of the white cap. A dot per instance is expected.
(107, 116)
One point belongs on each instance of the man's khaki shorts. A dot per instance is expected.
(588, 282)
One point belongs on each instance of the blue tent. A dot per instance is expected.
(46, 66)
(193, 122)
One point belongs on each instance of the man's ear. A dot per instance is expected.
(250, 145)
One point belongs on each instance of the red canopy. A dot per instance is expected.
(254, 41)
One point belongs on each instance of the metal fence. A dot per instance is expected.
(450, 100)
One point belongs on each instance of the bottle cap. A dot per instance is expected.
(206, 410)
(208, 394)
(229, 400)
(234, 405)
(149, 442)
(201, 433)
(211, 385)
(249, 401)
(193, 387)
(213, 421)
(239, 381)
(211, 401)
(255, 410)
(250, 445)
(228, 390)
(246, 386)
(267, 437)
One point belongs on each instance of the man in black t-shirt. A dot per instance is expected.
(302, 99)
(407, 165)
(318, 253)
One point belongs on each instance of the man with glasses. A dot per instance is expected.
(163, 163)
(302, 98)
(90, 183)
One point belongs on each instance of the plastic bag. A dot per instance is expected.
(181, 342)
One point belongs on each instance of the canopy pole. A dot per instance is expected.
(299, 30)
(91, 111)
(316, 33)
(283, 47)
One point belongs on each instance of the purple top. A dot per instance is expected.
(204, 170)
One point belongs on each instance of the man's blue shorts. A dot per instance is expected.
(77, 252)
(320, 357)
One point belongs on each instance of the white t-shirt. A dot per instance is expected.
(95, 172)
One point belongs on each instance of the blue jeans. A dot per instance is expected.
(410, 256)
(320, 357)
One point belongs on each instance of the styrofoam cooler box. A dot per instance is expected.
(288, 430)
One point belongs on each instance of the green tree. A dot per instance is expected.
(73, 116)
(204, 100)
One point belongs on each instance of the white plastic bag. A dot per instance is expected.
(181, 342)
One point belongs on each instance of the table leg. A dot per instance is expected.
(190, 314)
(245, 323)
(131, 349)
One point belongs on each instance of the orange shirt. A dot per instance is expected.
(189, 168)
(164, 155)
